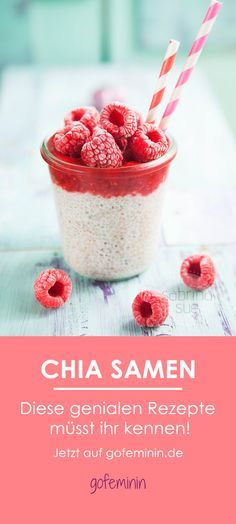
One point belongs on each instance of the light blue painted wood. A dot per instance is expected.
(14, 35)
(67, 33)
(122, 29)
(105, 309)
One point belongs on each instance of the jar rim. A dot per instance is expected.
(55, 161)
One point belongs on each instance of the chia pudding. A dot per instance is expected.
(109, 217)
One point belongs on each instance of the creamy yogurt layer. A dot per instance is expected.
(109, 238)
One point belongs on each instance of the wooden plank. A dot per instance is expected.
(104, 309)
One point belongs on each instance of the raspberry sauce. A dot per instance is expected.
(131, 179)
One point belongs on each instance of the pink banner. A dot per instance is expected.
(149, 438)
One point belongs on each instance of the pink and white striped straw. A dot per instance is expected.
(191, 61)
(167, 65)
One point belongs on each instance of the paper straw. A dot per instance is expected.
(167, 65)
(191, 61)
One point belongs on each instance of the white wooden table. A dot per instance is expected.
(200, 211)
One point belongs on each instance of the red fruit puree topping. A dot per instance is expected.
(112, 154)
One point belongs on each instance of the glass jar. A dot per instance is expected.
(109, 218)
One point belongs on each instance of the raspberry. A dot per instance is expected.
(150, 309)
(119, 120)
(52, 288)
(122, 143)
(148, 143)
(128, 153)
(88, 115)
(69, 141)
(101, 150)
(198, 272)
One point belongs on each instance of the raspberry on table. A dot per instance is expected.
(87, 115)
(119, 120)
(198, 272)
(52, 288)
(101, 150)
(150, 309)
(69, 141)
(148, 143)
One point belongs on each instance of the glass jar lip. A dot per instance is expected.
(56, 162)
